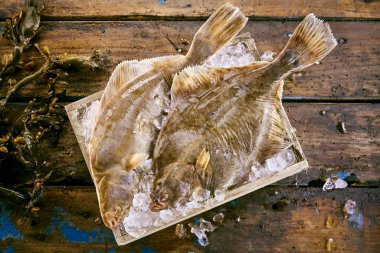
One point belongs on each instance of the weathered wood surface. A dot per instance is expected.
(273, 219)
(195, 9)
(326, 149)
(351, 70)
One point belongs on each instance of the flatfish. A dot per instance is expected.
(223, 121)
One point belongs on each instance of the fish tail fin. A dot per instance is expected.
(311, 41)
(218, 30)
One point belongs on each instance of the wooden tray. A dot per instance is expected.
(300, 164)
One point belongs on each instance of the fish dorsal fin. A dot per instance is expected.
(190, 83)
(135, 160)
(124, 75)
(125, 72)
(203, 160)
(276, 139)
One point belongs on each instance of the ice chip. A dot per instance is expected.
(218, 217)
(340, 184)
(200, 195)
(202, 237)
(166, 215)
(87, 119)
(180, 231)
(329, 185)
(135, 231)
(349, 208)
(138, 219)
(235, 55)
(220, 195)
(206, 225)
(267, 56)
(141, 201)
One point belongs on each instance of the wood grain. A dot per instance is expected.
(195, 9)
(326, 149)
(351, 70)
(273, 219)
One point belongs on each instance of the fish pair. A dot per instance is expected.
(220, 121)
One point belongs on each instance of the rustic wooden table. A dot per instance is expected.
(287, 217)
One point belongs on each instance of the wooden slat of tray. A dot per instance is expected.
(351, 70)
(123, 238)
(283, 219)
(180, 9)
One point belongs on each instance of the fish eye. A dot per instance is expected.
(156, 189)
(164, 197)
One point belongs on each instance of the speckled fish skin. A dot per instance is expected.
(234, 120)
(132, 106)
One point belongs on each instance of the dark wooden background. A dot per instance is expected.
(287, 217)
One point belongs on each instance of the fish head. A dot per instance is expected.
(173, 187)
(115, 200)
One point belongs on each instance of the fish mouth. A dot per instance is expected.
(112, 218)
(156, 206)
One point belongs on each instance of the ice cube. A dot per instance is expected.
(340, 184)
(329, 185)
(180, 231)
(191, 205)
(206, 225)
(218, 217)
(220, 195)
(349, 208)
(202, 237)
(87, 119)
(235, 55)
(166, 215)
(267, 56)
(135, 231)
(200, 195)
(257, 171)
(280, 161)
(141, 201)
(138, 219)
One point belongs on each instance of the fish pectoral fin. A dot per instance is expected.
(203, 168)
(135, 160)
(203, 160)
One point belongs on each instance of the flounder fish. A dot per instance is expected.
(132, 105)
(225, 120)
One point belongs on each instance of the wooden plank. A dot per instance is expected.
(351, 70)
(195, 9)
(273, 219)
(326, 149)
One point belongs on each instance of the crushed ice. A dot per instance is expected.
(267, 56)
(334, 183)
(180, 231)
(235, 55)
(140, 219)
(86, 117)
(218, 217)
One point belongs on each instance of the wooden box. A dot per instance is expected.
(300, 164)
